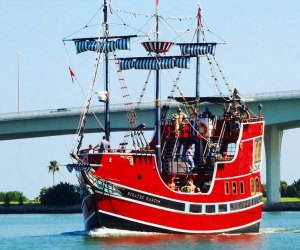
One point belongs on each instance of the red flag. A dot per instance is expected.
(157, 2)
(199, 17)
(72, 74)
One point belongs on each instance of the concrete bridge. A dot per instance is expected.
(280, 109)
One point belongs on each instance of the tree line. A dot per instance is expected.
(12, 196)
(286, 190)
(62, 194)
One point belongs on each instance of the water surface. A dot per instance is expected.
(279, 230)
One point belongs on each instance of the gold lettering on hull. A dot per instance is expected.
(142, 197)
(129, 158)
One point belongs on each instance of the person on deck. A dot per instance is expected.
(172, 184)
(190, 187)
(176, 124)
(182, 115)
(91, 149)
(104, 145)
(207, 114)
(228, 113)
(189, 158)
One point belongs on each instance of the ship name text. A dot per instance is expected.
(142, 197)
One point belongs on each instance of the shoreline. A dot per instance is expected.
(39, 209)
(281, 206)
(44, 209)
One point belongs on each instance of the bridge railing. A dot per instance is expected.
(266, 96)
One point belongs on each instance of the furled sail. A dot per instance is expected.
(154, 63)
(197, 49)
(103, 46)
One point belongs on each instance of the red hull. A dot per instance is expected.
(128, 192)
(164, 220)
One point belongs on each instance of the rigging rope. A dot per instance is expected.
(83, 118)
(136, 14)
(213, 74)
(87, 25)
(81, 91)
(137, 136)
(124, 23)
(166, 106)
(229, 88)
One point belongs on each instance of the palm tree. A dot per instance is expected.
(53, 167)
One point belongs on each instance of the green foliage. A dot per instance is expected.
(2, 196)
(53, 168)
(283, 189)
(7, 200)
(22, 198)
(12, 196)
(286, 190)
(296, 184)
(291, 191)
(264, 190)
(62, 194)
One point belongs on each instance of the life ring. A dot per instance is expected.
(203, 128)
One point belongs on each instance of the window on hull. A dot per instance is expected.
(257, 185)
(241, 186)
(234, 188)
(252, 186)
(242, 189)
(227, 191)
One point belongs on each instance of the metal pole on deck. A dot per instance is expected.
(198, 57)
(107, 116)
(157, 104)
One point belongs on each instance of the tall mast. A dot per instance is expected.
(157, 103)
(106, 79)
(198, 57)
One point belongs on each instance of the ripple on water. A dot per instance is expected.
(108, 232)
(272, 230)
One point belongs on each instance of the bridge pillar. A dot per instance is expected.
(273, 139)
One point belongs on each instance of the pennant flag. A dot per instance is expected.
(78, 168)
(70, 168)
(72, 74)
(157, 2)
(88, 168)
(199, 17)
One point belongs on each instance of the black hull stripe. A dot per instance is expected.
(122, 223)
(187, 207)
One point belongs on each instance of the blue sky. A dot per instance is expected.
(261, 55)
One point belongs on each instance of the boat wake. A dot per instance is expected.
(75, 233)
(273, 230)
(108, 232)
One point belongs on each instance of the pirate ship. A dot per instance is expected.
(151, 185)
